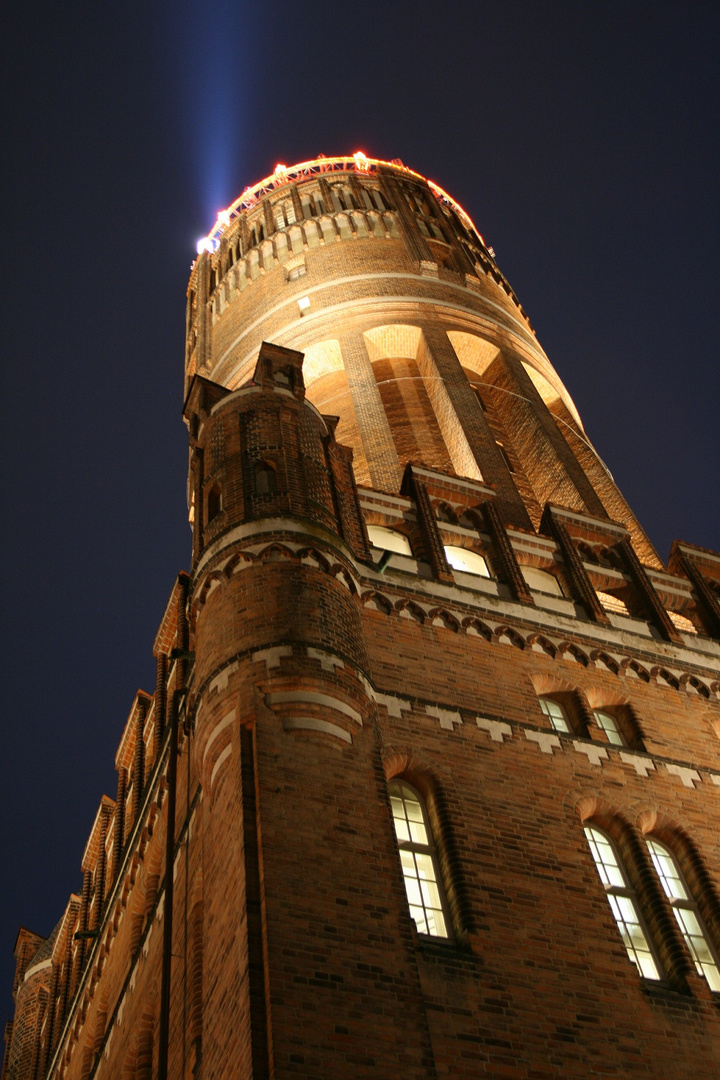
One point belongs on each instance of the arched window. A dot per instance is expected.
(541, 581)
(623, 902)
(265, 478)
(556, 714)
(609, 724)
(686, 912)
(419, 860)
(389, 540)
(468, 562)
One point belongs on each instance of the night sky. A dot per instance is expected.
(582, 138)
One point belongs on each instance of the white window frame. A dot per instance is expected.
(623, 903)
(419, 861)
(608, 723)
(686, 912)
(556, 714)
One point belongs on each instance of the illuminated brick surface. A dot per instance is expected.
(300, 669)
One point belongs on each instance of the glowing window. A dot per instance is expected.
(418, 859)
(686, 913)
(541, 581)
(609, 725)
(556, 714)
(623, 902)
(469, 562)
(389, 540)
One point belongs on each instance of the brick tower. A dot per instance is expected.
(429, 782)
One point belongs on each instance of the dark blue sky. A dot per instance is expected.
(581, 138)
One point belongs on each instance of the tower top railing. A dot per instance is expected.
(285, 175)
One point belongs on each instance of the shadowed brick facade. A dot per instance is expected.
(408, 562)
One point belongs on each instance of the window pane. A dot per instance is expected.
(667, 871)
(622, 903)
(685, 910)
(469, 562)
(389, 539)
(556, 714)
(609, 725)
(417, 860)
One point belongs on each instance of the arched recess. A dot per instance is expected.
(411, 401)
(481, 360)
(327, 387)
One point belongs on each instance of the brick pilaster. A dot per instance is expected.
(552, 468)
(578, 580)
(508, 565)
(428, 527)
(378, 444)
(466, 432)
(707, 602)
(649, 599)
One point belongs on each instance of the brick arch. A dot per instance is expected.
(506, 635)
(346, 579)
(211, 581)
(445, 512)
(632, 666)
(547, 684)
(414, 611)
(662, 675)
(442, 617)
(539, 643)
(275, 552)
(604, 660)
(477, 628)
(568, 651)
(239, 561)
(599, 696)
(310, 556)
(693, 685)
(376, 602)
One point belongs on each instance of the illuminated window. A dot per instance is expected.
(607, 723)
(623, 902)
(469, 562)
(418, 859)
(686, 912)
(556, 714)
(389, 540)
(541, 581)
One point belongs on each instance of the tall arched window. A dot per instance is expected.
(686, 912)
(623, 902)
(419, 860)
